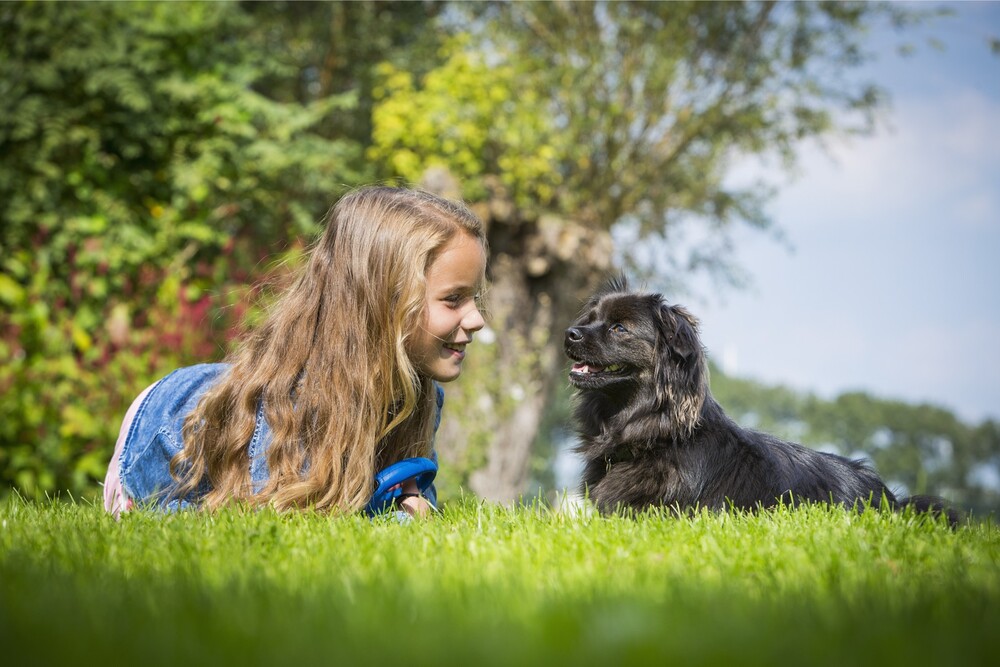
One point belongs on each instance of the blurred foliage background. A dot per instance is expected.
(163, 166)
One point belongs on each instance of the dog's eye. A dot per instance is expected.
(618, 327)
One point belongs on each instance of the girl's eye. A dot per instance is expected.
(617, 327)
(460, 299)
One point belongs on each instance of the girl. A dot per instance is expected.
(338, 383)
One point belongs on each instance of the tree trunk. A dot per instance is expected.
(541, 269)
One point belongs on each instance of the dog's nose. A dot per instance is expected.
(574, 335)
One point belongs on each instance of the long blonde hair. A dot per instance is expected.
(339, 391)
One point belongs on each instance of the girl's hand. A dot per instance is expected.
(414, 505)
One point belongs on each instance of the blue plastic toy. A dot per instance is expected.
(421, 469)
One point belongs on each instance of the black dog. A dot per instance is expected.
(651, 433)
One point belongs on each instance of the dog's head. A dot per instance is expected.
(637, 347)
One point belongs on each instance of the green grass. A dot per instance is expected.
(482, 585)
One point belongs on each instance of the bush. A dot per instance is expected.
(142, 183)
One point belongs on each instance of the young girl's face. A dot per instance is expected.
(451, 314)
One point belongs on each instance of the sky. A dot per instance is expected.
(888, 280)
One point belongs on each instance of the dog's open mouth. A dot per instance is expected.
(587, 368)
(590, 375)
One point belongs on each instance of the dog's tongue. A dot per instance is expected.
(585, 368)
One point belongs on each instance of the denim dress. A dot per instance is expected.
(155, 437)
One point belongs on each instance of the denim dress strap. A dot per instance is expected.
(431, 491)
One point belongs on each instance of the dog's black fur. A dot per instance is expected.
(652, 434)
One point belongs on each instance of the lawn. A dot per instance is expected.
(484, 585)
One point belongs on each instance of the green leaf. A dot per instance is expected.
(11, 292)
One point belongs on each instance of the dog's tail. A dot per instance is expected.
(934, 506)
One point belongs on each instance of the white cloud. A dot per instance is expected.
(936, 152)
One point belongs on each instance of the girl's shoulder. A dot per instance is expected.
(177, 393)
(197, 373)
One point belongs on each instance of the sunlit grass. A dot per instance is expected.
(487, 585)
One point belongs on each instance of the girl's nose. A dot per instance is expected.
(473, 320)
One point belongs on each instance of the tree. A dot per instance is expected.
(317, 50)
(564, 119)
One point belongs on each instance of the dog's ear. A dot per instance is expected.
(679, 330)
(681, 374)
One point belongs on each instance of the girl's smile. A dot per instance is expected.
(458, 349)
